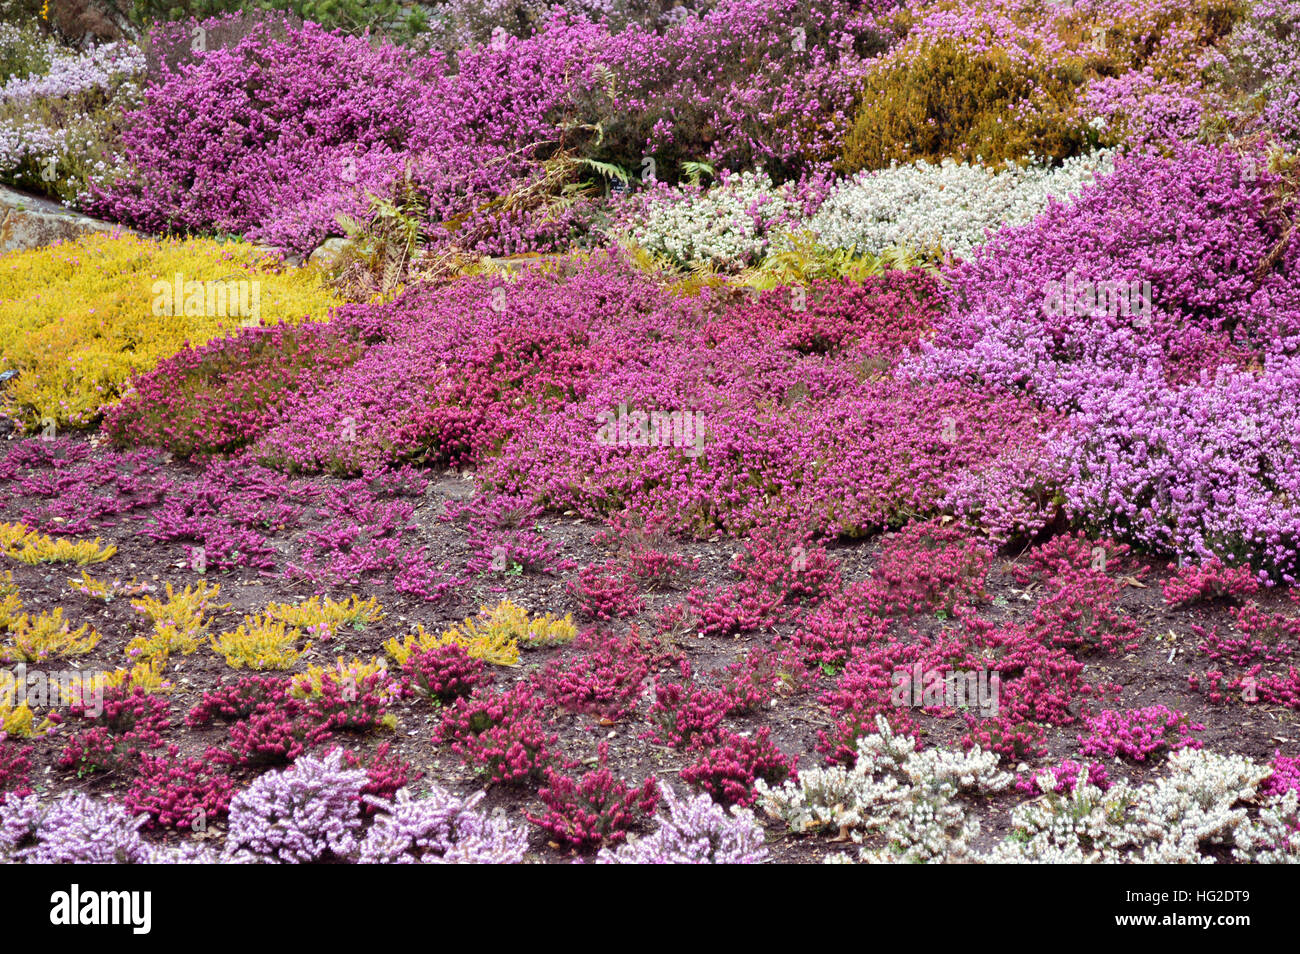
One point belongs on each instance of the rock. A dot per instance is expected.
(327, 254)
(27, 221)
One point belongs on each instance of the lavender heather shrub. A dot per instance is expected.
(76, 829)
(697, 831)
(440, 828)
(308, 812)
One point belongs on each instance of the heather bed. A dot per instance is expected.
(668, 544)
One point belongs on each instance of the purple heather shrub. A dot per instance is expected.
(440, 828)
(696, 831)
(67, 489)
(1166, 338)
(1261, 57)
(74, 829)
(305, 813)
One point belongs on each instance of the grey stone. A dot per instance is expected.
(27, 221)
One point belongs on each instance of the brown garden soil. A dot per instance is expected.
(1157, 672)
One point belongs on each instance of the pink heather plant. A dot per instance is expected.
(1285, 777)
(500, 734)
(1208, 581)
(605, 679)
(128, 725)
(15, 764)
(780, 571)
(596, 810)
(1065, 778)
(178, 792)
(606, 592)
(1138, 733)
(728, 769)
(445, 673)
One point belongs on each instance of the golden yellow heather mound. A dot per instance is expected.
(79, 319)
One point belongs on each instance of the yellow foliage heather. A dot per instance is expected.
(307, 685)
(493, 636)
(106, 591)
(33, 639)
(77, 318)
(330, 614)
(260, 643)
(18, 721)
(179, 624)
(145, 675)
(28, 546)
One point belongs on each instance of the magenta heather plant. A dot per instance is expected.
(1208, 581)
(1014, 741)
(780, 573)
(445, 673)
(1139, 733)
(129, 724)
(175, 792)
(15, 764)
(728, 769)
(606, 592)
(761, 675)
(1285, 777)
(605, 680)
(685, 713)
(500, 734)
(596, 810)
(927, 567)
(218, 398)
(1065, 777)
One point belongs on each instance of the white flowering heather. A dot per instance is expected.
(697, 831)
(57, 127)
(71, 72)
(949, 207)
(909, 797)
(1199, 806)
(305, 813)
(440, 828)
(727, 227)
